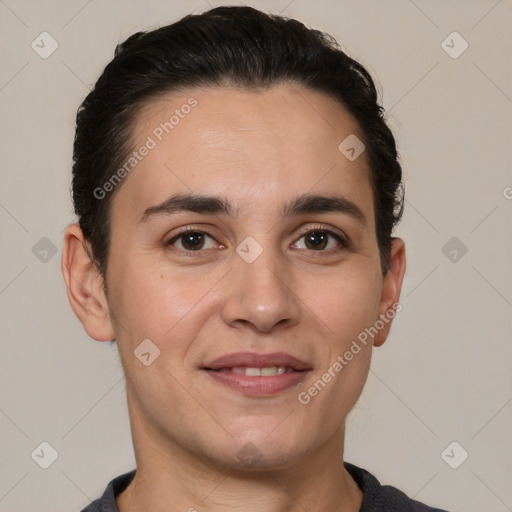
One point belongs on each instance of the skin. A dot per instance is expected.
(259, 150)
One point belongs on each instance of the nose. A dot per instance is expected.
(260, 294)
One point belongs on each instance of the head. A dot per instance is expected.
(240, 118)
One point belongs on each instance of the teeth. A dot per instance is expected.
(268, 371)
(252, 372)
(271, 370)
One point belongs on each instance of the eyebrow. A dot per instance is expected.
(306, 203)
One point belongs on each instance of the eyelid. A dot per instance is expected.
(327, 229)
(189, 229)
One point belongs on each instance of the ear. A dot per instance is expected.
(84, 285)
(391, 288)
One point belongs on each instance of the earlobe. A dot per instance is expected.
(391, 288)
(84, 285)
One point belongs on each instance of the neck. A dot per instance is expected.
(171, 478)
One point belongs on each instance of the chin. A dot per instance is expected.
(260, 452)
(250, 458)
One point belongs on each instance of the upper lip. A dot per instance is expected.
(254, 360)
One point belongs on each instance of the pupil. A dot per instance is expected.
(319, 235)
(191, 240)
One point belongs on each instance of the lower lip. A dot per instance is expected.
(257, 386)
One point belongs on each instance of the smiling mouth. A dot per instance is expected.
(257, 375)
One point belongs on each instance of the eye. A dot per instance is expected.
(191, 240)
(316, 239)
(320, 239)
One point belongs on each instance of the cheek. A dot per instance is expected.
(346, 300)
(346, 306)
(148, 302)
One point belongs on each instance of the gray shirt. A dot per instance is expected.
(376, 497)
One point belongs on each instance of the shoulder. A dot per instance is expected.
(384, 498)
(107, 501)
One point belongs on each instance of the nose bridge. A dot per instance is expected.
(260, 293)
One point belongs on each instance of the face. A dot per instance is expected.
(249, 295)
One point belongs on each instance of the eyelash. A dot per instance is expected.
(343, 241)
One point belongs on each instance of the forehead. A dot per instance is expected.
(282, 140)
(294, 113)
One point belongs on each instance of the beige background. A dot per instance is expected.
(443, 376)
